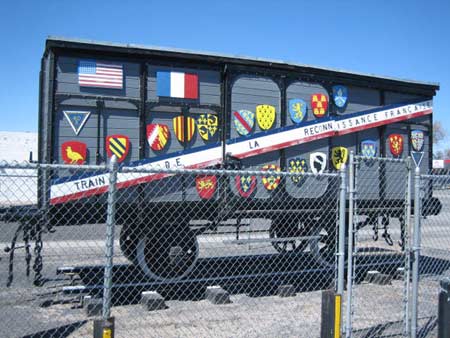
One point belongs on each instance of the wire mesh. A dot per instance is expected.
(379, 302)
(434, 262)
(196, 253)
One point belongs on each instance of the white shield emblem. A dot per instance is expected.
(318, 162)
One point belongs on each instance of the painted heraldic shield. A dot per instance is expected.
(340, 96)
(265, 115)
(244, 121)
(318, 162)
(297, 110)
(319, 104)
(118, 145)
(74, 152)
(339, 156)
(368, 148)
(272, 180)
(206, 186)
(245, 185)
(297, 166)
(207, 125)
(77, 119)
(158, 136)
(417, 139)
(184, 128)
(396, 144)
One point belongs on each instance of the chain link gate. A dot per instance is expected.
(188, 253)
(379, 261)
(433, 248)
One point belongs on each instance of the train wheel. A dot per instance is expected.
(167, 253)
(323, 245)
(282, 230)
(128, 241)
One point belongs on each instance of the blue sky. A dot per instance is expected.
(405, 39)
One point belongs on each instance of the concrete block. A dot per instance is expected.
(217, 295)
(382, 279)
(152, 300)
(286, 291)
(370, 275)
(92, 306)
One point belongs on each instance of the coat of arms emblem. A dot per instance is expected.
(297, 110)
(317, 162)
(368, 148)
(319, 104)
(417, 139)
(340, 96)
(244, 121)
(265, 115)
(245, 185)
(297, 166)
(207, 125)
(272, 179)
(339, 156)
(396, 144)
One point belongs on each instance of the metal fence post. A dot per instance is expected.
(416, 252)
(407, 249)
(110, 226)
(348, 317)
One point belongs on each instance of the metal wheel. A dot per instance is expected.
(167, 253)
(128, 241)
(323, 246)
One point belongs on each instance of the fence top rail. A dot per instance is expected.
(28, 165)
(435, 176)
(380, 159)
(159, 170)
(222, 172)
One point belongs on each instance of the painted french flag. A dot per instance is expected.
(176, 84)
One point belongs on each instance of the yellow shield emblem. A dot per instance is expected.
(265, 115)
(339, 156)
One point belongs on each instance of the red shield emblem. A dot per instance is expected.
(184, 128)
(74, 152)
(272, 180)
(158, 136)
(245, 185)
(396, 144)
(319, 104)
(206, 186)
(118, 145)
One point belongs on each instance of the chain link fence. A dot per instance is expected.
(223, 252)
(189, 253)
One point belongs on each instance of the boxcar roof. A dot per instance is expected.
(211, 57)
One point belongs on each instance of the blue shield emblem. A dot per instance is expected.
(417, 139)
(340, 96)
(244, 121)
(368, 148)
(297, 109)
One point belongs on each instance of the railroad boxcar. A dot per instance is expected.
(181, 109)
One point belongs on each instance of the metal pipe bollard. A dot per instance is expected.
(444, 309)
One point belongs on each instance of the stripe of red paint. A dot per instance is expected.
(241, 119)
(191, 86)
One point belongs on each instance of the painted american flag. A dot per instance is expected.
(99, 74)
